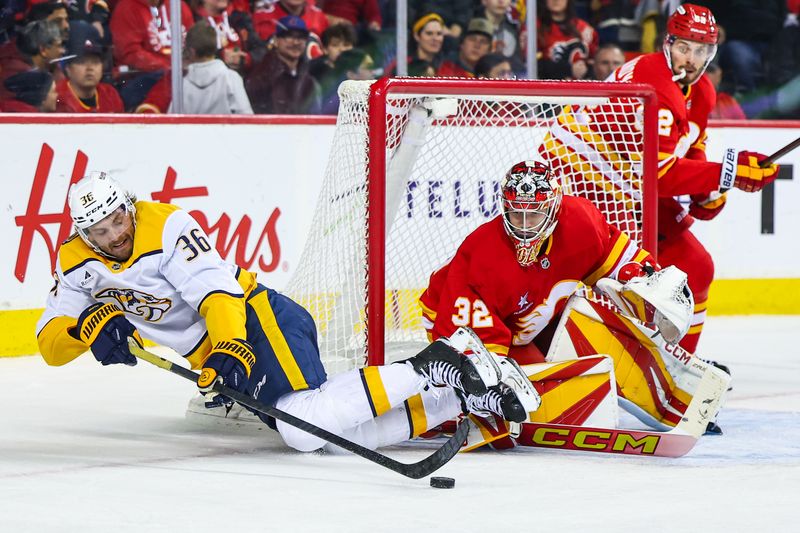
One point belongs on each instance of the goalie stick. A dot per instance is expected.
(676, 442)
(416, 470)
(780, 153)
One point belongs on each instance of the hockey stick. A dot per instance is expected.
(676, 442)
(780, 153)
(416, 470)
(673, 443)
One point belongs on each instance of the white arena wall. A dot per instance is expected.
(252, 184)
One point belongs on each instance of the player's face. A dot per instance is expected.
(430, 37)
(526, 223)
(689, 57)
(114, 234)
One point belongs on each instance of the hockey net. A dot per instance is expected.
(415, 166)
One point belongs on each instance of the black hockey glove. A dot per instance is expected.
(106, 330)
(229, 364)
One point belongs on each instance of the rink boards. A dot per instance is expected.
(252, 185)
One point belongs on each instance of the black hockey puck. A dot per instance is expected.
(443, 482)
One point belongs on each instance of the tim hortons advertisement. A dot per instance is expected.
(246, 185)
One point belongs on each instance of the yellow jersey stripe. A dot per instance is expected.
(610, 261)
(376, 392)
(266, 316)
(417, 419)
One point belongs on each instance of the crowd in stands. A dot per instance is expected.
(289, 56)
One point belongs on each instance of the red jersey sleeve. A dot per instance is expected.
(682, 121)
(617, 250)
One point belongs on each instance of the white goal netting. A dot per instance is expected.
(446, 147)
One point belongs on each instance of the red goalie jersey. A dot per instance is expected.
(484, 286)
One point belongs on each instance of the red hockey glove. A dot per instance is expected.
(742, 171)
(706, 207)
(631, 270)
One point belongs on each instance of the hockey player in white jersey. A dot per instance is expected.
(146, 270)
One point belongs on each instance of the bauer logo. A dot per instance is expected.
(728, 169)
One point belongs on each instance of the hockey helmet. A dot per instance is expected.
(93, 198)
(695, 23)
(531, 199)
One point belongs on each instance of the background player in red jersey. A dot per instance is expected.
(513, 275)
(686, 97)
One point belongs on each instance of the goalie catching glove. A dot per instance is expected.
(104, 328)
(229, 364)
(660, 299)
(743, 171)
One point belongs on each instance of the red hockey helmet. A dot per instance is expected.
(531, 199)
(693, 23)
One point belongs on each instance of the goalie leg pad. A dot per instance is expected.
(658, 378)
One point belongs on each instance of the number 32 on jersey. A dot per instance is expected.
(471, 313)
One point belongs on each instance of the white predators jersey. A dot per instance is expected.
(172, 269)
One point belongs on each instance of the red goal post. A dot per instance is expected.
(414, 168)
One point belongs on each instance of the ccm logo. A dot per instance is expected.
(592, 439)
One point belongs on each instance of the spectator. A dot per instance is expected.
(494, 66)
(280, 83)
(608, 58)
(17, 55)
(41, 41)
(421, 69)
(505, 34)
(235, 33)
(267, 14)
(565, 41)
(93, 12)
(428, 32)
(142, 34)
(475, 43)
(630, 24)
(33, 91)
(142, 37)
(354, 64)
(355, 12)
(455, 15)
(54, 11)
(335, 40)
(750, 26)
(83, 90)
(210, 87)
(727, 107)
(11, 12)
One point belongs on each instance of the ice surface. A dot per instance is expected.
(86, 448)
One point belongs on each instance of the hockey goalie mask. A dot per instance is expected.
(531, 202)
(692, 36)
(103, 214)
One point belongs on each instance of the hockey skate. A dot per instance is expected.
(513, 398)
(444, 362)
